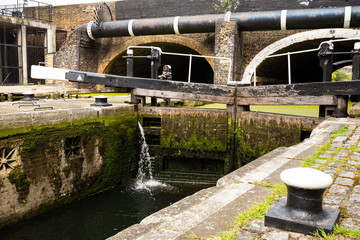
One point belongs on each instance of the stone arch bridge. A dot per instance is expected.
(248, 49)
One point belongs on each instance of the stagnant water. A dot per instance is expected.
(105, 214)
(99, 216)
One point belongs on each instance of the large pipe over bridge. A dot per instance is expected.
(344, 17)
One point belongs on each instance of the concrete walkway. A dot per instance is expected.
(39, 90)
(210, 211)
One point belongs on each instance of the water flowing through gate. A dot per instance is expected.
(144, 179)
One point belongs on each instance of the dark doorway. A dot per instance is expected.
(201, 71)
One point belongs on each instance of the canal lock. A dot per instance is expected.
(179, 166)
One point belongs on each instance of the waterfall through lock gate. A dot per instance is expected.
(144, 179)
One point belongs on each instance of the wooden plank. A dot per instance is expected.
(152, 84)
(269, 94)
(290, 100)
(183, 96)
(302, 89)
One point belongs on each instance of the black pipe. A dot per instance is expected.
(348, 17)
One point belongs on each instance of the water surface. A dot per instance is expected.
(99, 216)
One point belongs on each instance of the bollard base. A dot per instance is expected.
(287, 219)
(100, 104)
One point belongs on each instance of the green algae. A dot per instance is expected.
(42, 149)
(22, 184)
(201, 145)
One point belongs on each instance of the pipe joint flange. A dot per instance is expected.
(88, 30)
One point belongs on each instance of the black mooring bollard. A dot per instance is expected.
(302, 210)
(100, 101)
(29, 96)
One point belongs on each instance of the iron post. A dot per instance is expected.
(130, 63)
(326, 60)
(155, 64)
(356, 68)
(356, 62)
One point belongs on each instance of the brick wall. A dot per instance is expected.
(97, 58)
(158, 8)
(68, 17)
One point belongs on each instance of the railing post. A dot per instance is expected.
(155, 64)
(356, 68)
(255, 76)
(289, 67)
(356, 62)
(130, 63)
(190, 64)
(326, 60)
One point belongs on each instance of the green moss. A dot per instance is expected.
(338, 233)
(246, 153)
(340, 132)
(4, 133)
(42, 149)
(120, 151)
(67, 171)
(55, 178)
(308, 162)
(22, 184)
(202, 145)
(258, 211)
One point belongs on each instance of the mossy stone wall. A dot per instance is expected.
(213, 134)
(53, 165)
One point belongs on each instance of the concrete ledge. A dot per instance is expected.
(27, 120)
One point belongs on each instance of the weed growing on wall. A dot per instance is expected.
(258, 211)
(22, 184)
(225, 5)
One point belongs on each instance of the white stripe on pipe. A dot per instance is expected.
(176, 25)
(88, 30)
(227, 16)
(347, 17)
(283, 20)
(130, 30)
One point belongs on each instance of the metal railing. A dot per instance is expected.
(288, 54)
(190, 58)
(30, 9)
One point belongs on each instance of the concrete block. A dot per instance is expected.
(351, 223)
(344, 181)
(276, 235)
(50, 117)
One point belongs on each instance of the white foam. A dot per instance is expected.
(150, 185)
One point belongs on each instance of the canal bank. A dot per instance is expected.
(58, 150)
(63, 155)
(333, 148)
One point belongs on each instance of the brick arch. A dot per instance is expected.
(293, 39)
(149, 40)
